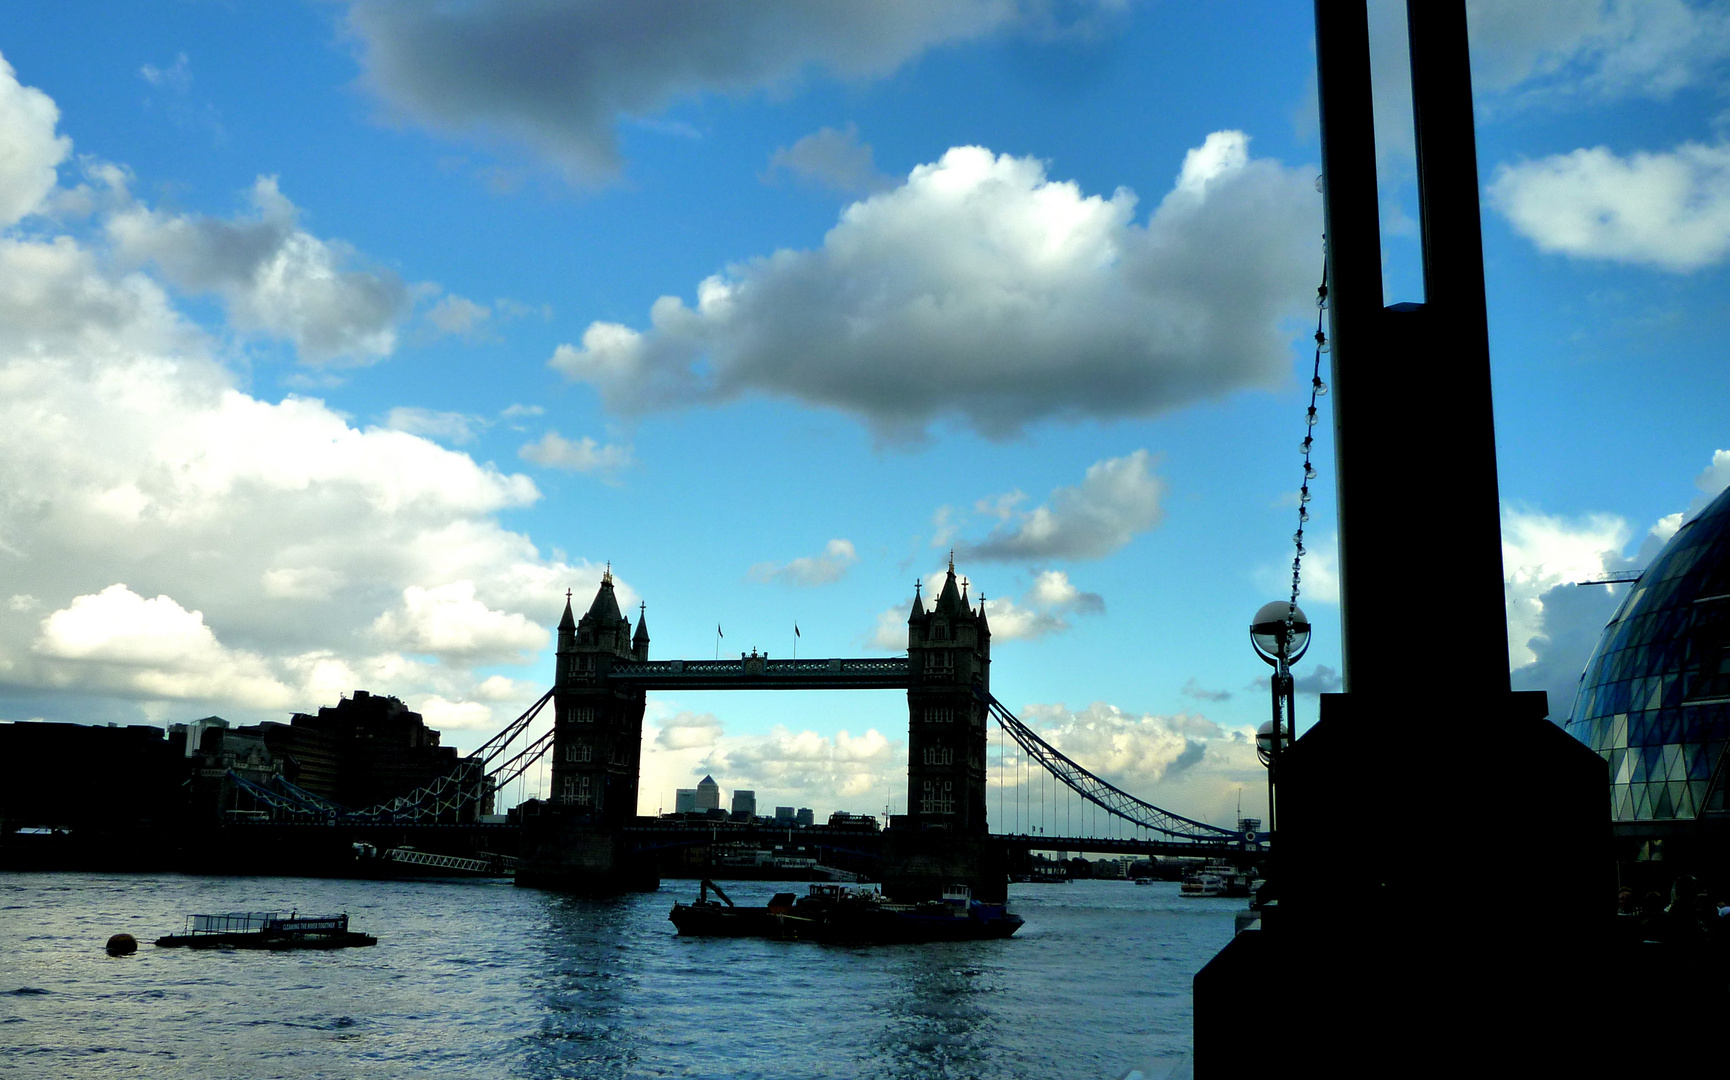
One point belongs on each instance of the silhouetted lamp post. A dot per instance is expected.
(1280, 634)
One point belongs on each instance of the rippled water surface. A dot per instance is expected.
(487, 980)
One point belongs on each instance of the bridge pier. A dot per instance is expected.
(918, 865)
(565, 854)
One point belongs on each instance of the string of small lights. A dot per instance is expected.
(1317, 389)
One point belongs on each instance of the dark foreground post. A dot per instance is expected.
(1442, 866)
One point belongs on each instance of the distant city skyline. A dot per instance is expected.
(339, 340)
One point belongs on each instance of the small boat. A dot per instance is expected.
(723, 918)
(1217, 878)
(1144, 881)
(266, 930)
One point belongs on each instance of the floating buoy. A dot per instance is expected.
(122, 945)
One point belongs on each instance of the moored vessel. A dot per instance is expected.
(266, 930)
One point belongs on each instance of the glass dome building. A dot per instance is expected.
(1654, 699)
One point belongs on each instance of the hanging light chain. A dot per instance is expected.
(1317, 389)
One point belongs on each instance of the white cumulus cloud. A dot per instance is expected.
(455, 427)
(30, 149)
(981, 290)
(1117, 498)
(449, 620)
(838, 555)
(155, 648)
(273, 277)
(833, 158)
(1669, 209)
(687, 731)
(583, 455)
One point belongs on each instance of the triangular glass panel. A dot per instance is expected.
(1654, 694)
(1624, 803)
(1694, 755)
(1684, 800)
(1636, 766)
(1621, 764)
(1673, 769)
(1619, 732)
(1669, 726)
(1663, 809)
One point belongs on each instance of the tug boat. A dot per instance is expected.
(266, 930)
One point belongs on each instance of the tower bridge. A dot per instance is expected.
(599, 694)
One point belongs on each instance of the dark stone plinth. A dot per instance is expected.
(567, 855)
(918, 864)
(1445, 897)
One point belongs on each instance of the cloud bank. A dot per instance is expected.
(175, 545)
(557, 78)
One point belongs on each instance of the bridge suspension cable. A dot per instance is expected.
(1113, 800)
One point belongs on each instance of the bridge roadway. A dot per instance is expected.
(651, 835)
(761, 673)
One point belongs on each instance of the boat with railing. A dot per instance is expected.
(266, 930)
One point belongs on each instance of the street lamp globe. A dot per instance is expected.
(1280, 630)
(1264, 742)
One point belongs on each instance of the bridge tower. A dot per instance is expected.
(944, 839)
(598, 728)
(949, 658)
(573, 841)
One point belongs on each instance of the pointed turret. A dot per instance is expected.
(984, 627)
(606, 605)
(949, 601)
(569, 622)
(640, 640)
(918, 611)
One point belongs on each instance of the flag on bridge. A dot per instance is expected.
(795, 629)
(718, 631)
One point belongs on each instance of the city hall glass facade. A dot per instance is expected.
(1654, 699)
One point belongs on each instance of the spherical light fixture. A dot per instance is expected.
(1280, 630)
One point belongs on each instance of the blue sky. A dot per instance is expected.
(334, 350)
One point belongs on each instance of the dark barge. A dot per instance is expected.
(838, 915)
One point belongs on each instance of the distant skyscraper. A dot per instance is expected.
(784, 814)
(805, 817)
(685, 801)
(708, 794)
(744, 802)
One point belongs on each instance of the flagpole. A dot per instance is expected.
(718, 636)
(795, 641)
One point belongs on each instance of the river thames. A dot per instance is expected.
(482, 979)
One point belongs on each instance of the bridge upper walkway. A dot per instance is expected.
(762, 673)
